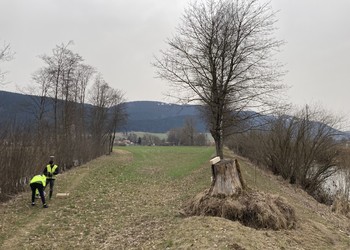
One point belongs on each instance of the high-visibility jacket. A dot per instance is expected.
(39, 179)
(51, 171)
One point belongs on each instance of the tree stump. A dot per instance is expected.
(225, 198)
(226, 178)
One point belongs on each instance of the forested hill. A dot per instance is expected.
(145, 116)
(15, 106)
(159, 117)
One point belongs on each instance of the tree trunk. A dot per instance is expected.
(227, 178)
(219, 145)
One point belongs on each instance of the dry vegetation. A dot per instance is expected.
(131, 200)
(253, 209)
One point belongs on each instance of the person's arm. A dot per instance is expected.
(45, 171)
(57, 171)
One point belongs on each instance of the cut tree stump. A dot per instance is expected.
(226, 178)
(228, 197)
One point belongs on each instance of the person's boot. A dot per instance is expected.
(45, 206)
(50, 195)
(33, 203)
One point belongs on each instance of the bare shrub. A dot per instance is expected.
(301, 148)
(341, 205)
(18, 159)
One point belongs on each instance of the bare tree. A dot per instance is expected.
(222, 56)
(83, 75)
(66, 80)
(174, 136)
(57, 103)
(39, 105)
(106, 115)
(151, 140)
(186, 135)
(42, 82)
(5, 55)
(117, 115)
(60, 66)
(189, 132)
(81, 79)
(98, 97)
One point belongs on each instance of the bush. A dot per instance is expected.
(301, 148)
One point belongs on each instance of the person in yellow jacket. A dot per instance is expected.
(38, 182)
(50, 171)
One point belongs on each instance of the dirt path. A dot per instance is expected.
(24, 225)
(36, 216)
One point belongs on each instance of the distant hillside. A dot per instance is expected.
(158, 117)
(14, 106)
(143, 116)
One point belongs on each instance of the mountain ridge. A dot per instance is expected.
(143, 116)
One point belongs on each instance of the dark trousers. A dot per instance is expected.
(52, 183)
(40, 187)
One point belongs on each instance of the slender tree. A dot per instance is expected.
(117, 115)
(60, 66)
(222, 56)
(189, 132)
(106, 115)
(83, 75)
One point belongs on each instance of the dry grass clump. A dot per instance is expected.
(253, 209)
(341, 205)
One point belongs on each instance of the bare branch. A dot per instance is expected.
(222, 56)
(5, 55)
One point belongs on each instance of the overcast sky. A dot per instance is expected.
(120, 38)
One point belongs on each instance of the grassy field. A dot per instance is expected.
(131, 200)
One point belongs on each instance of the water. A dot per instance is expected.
(339, 183)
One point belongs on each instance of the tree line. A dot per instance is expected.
(76, 114)
(186, 135)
